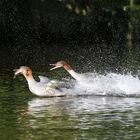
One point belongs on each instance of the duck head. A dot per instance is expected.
(23, 70)
(60, 64)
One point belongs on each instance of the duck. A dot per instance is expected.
(77, 76)
(45, 87)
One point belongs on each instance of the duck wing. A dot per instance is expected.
(58, 84)
(44, 79)
(54, 84)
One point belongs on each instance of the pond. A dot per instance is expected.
(25, 116)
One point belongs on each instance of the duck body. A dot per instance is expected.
(46, 87)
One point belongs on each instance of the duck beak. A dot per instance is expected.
(55, 66)
(17, 72)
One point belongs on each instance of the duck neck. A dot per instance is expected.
(67, 67)
(74, 74)
(30, 79)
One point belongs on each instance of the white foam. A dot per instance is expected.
(111, 84)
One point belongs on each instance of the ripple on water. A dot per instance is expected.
(24, 116)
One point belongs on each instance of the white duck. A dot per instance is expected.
(79, 77)
(45, 87)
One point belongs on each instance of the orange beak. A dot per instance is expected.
(56, 66)
(17, 72)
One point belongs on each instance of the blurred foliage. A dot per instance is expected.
(133, 10)
(28, 22)
(35, 28)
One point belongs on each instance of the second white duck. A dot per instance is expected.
(79, 77)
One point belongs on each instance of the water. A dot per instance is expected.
(115, 115)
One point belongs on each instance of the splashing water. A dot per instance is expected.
(111, 84)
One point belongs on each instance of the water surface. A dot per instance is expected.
(24, 116)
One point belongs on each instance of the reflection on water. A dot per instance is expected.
(84, 117)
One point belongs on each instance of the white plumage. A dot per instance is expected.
(45, 87)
